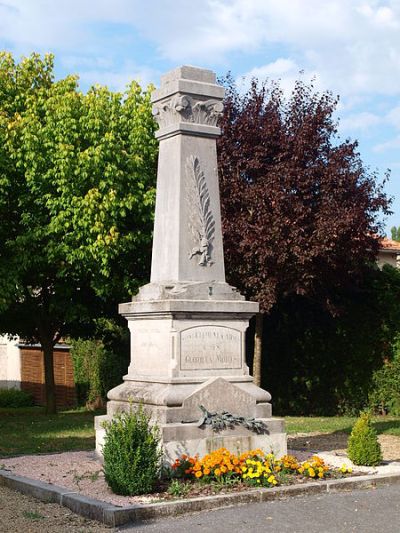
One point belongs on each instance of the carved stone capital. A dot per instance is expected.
(185, 108)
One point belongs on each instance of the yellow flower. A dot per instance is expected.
(271, 479)
(311, 472)
(198, 473)
(217, 472)
(320, 474)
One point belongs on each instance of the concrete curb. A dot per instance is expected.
(112, 515)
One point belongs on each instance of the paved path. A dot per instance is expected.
(362, 511)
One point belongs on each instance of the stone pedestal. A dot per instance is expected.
(188, 325)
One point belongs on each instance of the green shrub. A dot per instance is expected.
(100, 362)
(132, 456)
(363, 447)
(15, 398)
(385, 395)
(87, 357)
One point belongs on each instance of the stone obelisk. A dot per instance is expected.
(188, 325)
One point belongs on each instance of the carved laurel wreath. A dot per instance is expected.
(201, 220)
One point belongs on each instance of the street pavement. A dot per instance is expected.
(362, 511)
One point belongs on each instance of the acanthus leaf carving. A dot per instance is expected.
(184, 108)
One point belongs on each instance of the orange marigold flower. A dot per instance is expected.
(198, 473)
(217, 472)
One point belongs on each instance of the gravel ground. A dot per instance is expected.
(79, 471)
(337, 443)
(82, 472)
(20, 513)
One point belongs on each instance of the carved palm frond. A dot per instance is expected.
(202, 206)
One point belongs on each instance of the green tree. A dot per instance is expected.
(77, 183)
(395, 231)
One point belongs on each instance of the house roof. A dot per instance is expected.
(388, 245)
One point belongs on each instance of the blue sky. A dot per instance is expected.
(351, 47)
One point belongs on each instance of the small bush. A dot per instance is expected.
(363, 447)
(15, 398)
(132, 457)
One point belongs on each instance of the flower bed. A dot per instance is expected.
(253, 468)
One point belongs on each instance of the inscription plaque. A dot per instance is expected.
(210, 348)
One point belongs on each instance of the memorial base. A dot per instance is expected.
(190, 439)
(175, 407)
(187, 354)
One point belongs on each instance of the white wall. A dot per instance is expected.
(10, 363)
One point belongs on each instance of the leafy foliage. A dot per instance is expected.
(77, 177)
(131, 453)
(15, 398)
(300, 211)
(88, 356)
(395, 231)
(100, 362)
(320, 364)
(363, 447)
(385, 395)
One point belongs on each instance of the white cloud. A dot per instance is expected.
(393, 117)
(392, 144)
(117, 80)
(286, 70)
(363, 121)
(353, 47)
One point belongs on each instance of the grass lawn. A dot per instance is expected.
(30, 430)
(389, 425)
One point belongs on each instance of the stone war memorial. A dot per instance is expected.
(188, 325)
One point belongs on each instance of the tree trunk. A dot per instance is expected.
(50, 389)
(258, 349)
